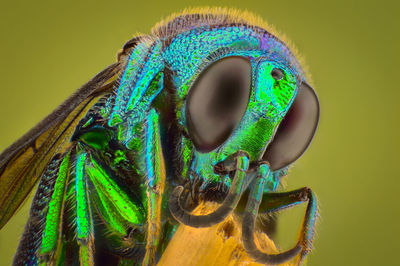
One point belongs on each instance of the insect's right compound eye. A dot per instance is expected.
(217, 101)
(296, 130)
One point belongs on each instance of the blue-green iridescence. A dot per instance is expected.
(270, 98)
(131, 129)
(83, 215)
(109, 214)
(119, 156)
(132, 135)
(272, 182)
(191, 52)
(268, 104)
(113, 198)
(152, 146)
(132, 70)
(135, 83)
(273, 97)
(51, 235)
(187, 55)
(186, 156)
(134, 121)
(150, 69)
(97, 138)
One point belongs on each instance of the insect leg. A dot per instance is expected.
(84, 222)
(114, 205)
(274, 202)
(277, 201)
(156, 183)
(45, 215)
(228, 205)
(120, 214)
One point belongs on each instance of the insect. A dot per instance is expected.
(209, 106)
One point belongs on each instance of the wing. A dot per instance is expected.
(23, 162)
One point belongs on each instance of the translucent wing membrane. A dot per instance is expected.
(22, 163)
(295, 131)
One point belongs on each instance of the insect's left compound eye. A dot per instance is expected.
(217, 101)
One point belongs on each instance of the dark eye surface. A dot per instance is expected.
(296, 130)
(277, 73)
(217, 102)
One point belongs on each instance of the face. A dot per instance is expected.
(235, 85)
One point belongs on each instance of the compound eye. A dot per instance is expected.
(296, 130)
(217, 102)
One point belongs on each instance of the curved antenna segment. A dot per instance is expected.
(249, 218)
(228, 205)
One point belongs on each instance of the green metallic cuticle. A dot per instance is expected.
(142, 107)
(51, 235)
(273, 96)
(105, 111)
(130, 132)
(83, 217)
(129, 77)
(150, 70)
(121, 132)
(243, 163)
(97, 137)
(211, 40)
(133, 214)
(119, 156)
(187, 152)
(271, 100)
(121, 171)
(189, 50)
(271, 183)
(90, 120)
(270, 180)
(109, 214)
(115, 119)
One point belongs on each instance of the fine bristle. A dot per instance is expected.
(201, 16)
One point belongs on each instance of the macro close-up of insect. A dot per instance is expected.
(212, 106)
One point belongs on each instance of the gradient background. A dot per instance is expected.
(47, 50)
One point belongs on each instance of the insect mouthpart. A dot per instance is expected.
(241, 164)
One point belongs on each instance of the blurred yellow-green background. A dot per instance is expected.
(49, 48)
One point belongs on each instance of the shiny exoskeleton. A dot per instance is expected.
(208, 106)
